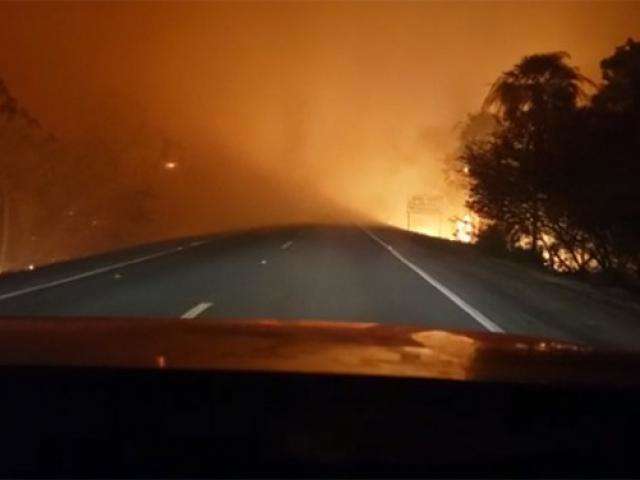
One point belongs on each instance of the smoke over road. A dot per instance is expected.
(272, 113)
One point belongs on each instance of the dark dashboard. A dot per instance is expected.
(114, 422)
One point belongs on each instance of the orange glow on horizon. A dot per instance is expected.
(279, 112)
(464, 229)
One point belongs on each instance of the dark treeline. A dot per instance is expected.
(124, 182)
(553, 164)
(64, 199)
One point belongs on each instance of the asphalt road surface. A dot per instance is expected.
(336, 273)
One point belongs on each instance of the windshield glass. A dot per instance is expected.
(465, 167)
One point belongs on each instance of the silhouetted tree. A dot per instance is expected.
(532, 102)
(611, 162)
(559, 173)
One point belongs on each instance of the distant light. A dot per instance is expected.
(31, 266)
(466, 169)
(170, 165)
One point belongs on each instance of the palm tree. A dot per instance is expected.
(531, 101)
(539, 83)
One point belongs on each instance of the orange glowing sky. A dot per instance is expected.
(357, 101)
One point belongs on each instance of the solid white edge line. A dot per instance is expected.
(478, 316)
(90, 273)
(197, 310)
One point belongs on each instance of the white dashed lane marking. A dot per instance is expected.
(197, 310)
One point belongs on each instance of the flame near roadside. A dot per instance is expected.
(447, 227)
(464, 229)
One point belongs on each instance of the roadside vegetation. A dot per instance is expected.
(61, 199)
(551, 164)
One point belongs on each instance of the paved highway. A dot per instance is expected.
(336, 273)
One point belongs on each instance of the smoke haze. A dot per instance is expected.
(282, 112)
